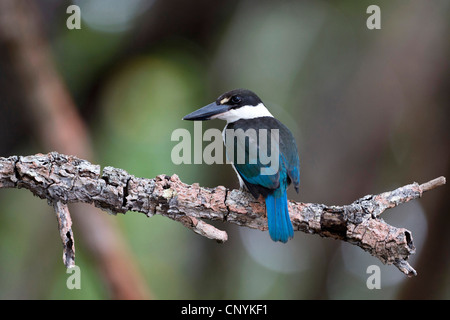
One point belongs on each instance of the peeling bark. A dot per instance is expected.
(65, 179)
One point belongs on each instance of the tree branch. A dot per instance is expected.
(65, 179)
(65, 231)
(57, 124)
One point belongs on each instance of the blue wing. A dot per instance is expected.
(287, 167)
(288, 149)
(271, 186)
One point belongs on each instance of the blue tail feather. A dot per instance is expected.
(280, 226)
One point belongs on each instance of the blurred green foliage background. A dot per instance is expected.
(369, 110)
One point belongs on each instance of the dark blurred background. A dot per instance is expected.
(369, 110)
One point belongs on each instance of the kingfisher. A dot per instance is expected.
(243, 110)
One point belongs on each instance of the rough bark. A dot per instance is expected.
(63, 179)
(57, 125)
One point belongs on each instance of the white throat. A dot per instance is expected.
(245, 112)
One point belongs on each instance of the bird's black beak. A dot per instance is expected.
(207, 112)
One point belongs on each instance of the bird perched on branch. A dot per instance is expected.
(250, 133)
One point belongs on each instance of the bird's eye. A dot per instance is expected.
(236, 99)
